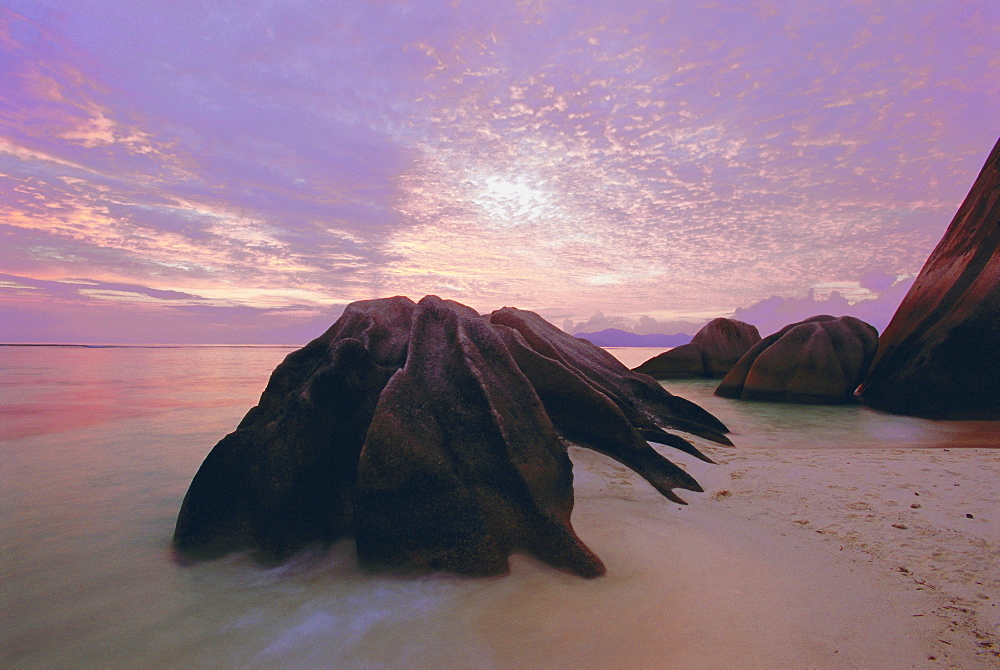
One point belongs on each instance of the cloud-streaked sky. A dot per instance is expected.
(238, 171)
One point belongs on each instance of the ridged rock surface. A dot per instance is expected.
(819, 360)
(940, 355)
(437, 438)
(712, 352)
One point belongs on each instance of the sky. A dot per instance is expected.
(237, 172)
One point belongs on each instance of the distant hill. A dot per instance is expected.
(613, 337)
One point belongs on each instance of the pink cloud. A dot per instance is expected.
(674, 160)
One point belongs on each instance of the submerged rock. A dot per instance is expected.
(940, 355)
(819, 360)
(712, 352)
(437, 438)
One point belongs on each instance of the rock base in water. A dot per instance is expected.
(712, 352)
(437, 438)
(820, 360)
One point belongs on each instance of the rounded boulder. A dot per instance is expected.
(820, 360)
(712, 352)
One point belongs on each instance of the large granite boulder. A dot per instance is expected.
(940, 355)
(437, 438)
(712, 352)
(819, 360)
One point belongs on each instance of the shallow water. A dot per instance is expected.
(786, 425)
(98, 446)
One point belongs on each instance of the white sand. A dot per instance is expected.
(864, 558)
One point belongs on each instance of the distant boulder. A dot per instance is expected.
(940, 355)
(437, 438)
(820, 360)
(712, 352)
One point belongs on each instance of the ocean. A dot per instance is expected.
(98, 446)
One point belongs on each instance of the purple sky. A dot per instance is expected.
(180, 171)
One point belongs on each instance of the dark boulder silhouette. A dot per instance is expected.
(819, 360)
(940, 354)
(437, 438)
(712, 352)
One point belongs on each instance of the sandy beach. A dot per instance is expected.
(814, 557)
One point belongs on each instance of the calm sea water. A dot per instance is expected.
(98, 446)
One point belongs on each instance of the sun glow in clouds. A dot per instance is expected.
(570, 158)
(512, 201)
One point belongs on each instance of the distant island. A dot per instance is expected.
(614, 337)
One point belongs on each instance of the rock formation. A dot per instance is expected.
(940, 355)
(712, 352)
(819, 360)
(437, 438)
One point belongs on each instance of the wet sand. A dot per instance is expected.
(811, 557)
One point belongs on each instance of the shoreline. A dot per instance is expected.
(923, 523)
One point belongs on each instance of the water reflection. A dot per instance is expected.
(51, 389)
